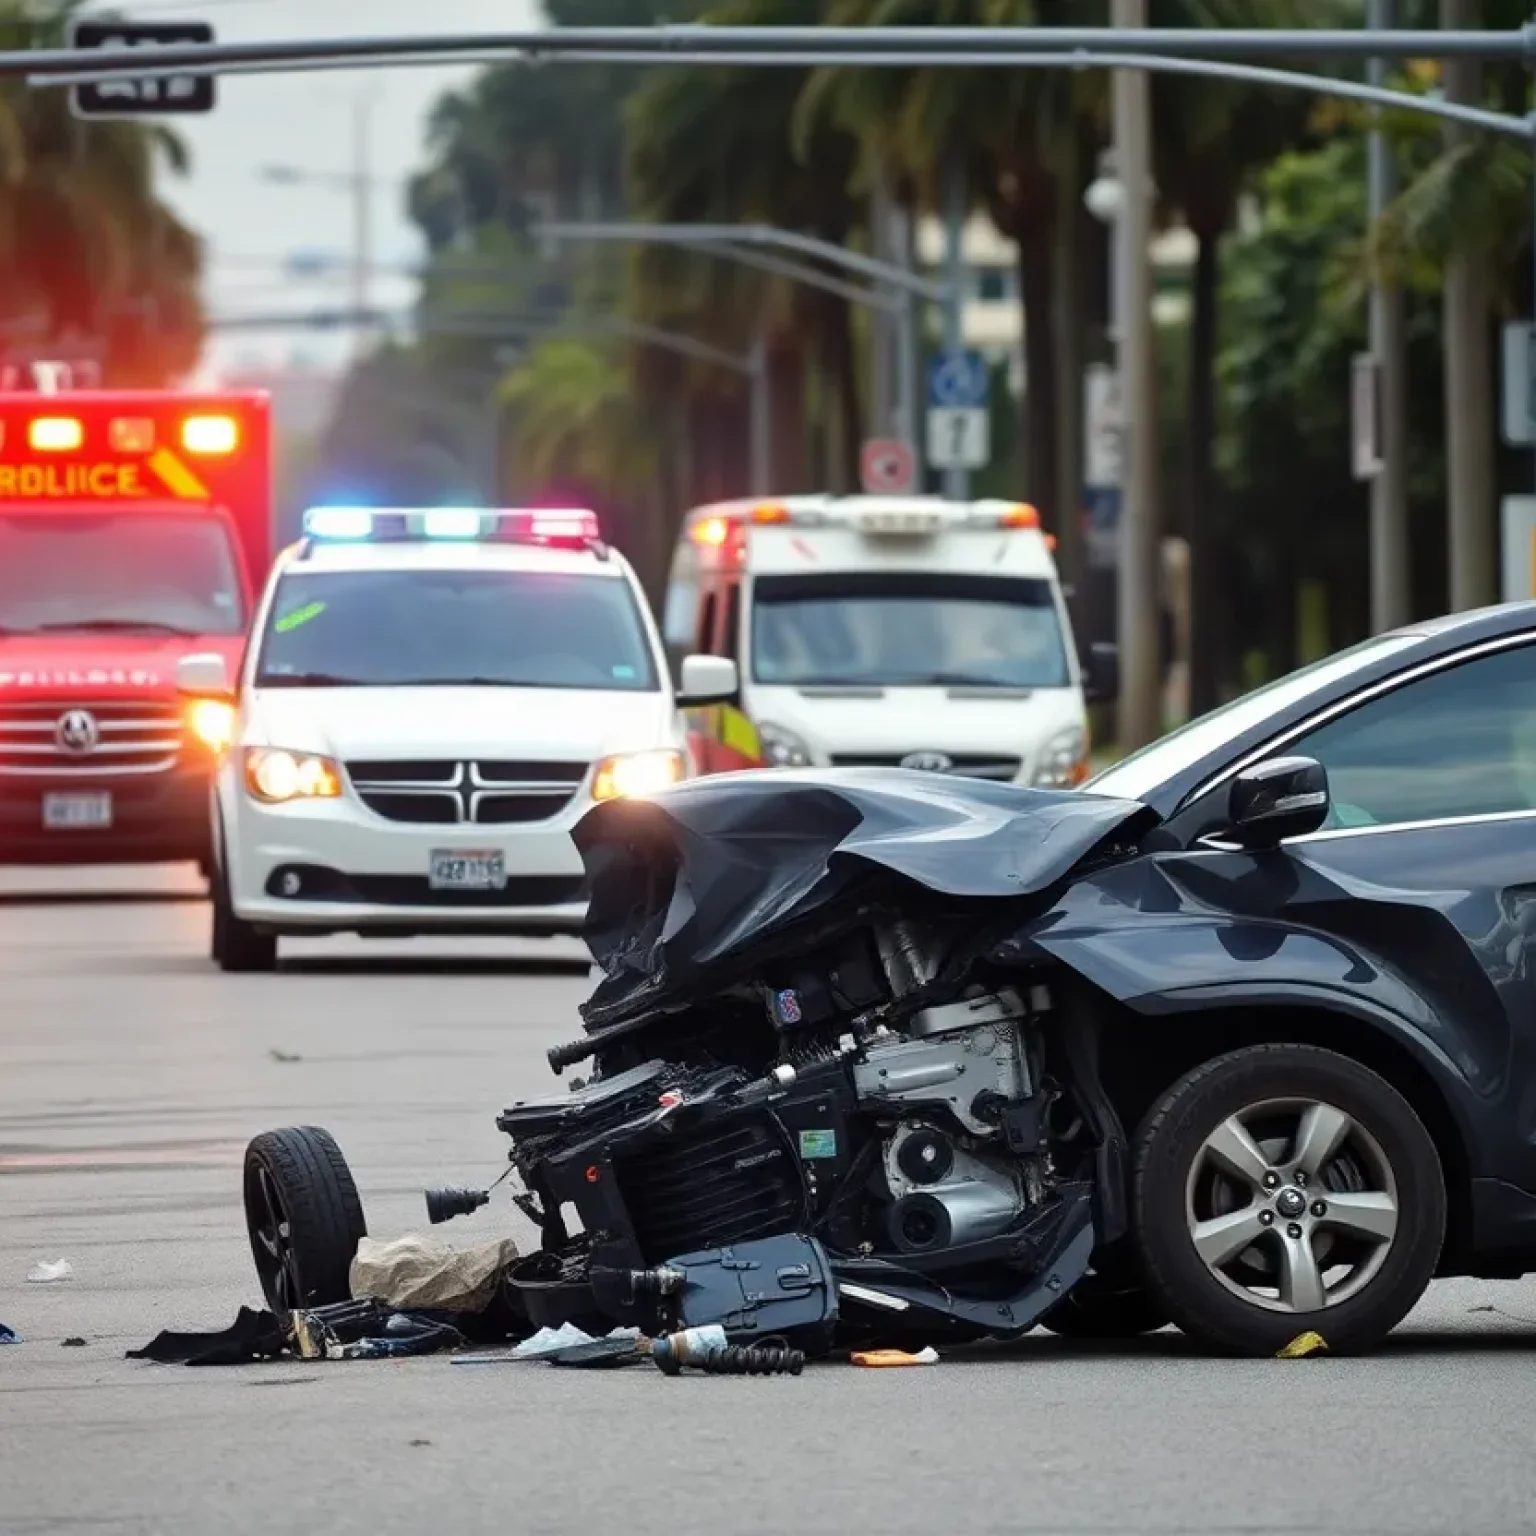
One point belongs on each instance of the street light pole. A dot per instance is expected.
(957, 480)
(1389, 488)
(362, 208)
(1141, 672)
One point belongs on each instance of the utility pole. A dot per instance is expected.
(1471, 517)
(882, 384)
(362, 209)
(1390, 606)
(957, 481)
(1141, 670)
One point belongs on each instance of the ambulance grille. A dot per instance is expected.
(57, 738)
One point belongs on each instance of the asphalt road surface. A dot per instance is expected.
(131, 1075)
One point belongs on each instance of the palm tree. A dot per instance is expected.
(1210, 139)
(1021, 136)
(715, 146)
(86, 245)
(1462, 225)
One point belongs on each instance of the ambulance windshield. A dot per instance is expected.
(890, 629)
(128, 571)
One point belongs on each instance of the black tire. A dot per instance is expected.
(234, 944)
(304, 1217)
(1170, 1141)
(1106, 1307)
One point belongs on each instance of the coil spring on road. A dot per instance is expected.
(754, 1360)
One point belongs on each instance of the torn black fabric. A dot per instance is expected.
(252, 1336)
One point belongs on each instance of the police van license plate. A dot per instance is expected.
(75, 813)
(458, 869)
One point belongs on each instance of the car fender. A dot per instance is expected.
(1133, 934)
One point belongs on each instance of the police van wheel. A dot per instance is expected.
(238, 945)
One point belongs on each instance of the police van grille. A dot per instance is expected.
(131, 736)
(488, 791)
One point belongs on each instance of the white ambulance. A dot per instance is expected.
(878, 630)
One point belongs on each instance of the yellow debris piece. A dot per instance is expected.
(1302, 1345)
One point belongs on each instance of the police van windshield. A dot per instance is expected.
(149, 572)
(898, 629)
(454, 628)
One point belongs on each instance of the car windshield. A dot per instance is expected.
(1136, 776)
(895, 629)
(165, 572)
(454, 628)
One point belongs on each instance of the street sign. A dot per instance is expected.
(959, 381)
(138, 96)
(1365, 446)
(959, 437)
(1518, 517)
(959, 420)
(1519, 385)
(1103, 427)
(887, 467)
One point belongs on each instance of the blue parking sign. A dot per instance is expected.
(958, 381)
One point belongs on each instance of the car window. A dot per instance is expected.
(1140, 773)
(1460, 742)
(454, 628)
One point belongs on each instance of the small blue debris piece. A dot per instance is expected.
(8, 1336)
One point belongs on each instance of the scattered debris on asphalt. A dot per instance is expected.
(252, 1336)
(47, 1273)
(1303, 1346)
(884, 1358)
(284, 1056)
(73, 1342)
(9, 1335)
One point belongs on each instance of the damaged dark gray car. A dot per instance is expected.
(1239, 1037)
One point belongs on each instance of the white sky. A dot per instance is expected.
(306, 121)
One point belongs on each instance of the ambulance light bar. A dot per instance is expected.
(718, 529)
(552, 527)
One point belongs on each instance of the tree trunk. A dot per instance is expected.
(1207, 636)
(786, 392)
(1070, 321)
(843, 382)
(1037, 288)
(1472, 525)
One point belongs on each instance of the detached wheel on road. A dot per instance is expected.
(304, 1216)
(236, 945)
(1282, 1189)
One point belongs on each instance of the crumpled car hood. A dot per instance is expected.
(682, 882)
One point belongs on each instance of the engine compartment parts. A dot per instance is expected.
(706, 1350)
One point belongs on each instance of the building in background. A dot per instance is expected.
(993, 318)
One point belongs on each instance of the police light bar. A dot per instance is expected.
(555, 527)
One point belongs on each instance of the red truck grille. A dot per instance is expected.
(58, 737)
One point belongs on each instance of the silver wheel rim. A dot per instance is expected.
(1292, 1205)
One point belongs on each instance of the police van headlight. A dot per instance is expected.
(1063, 761)
(634, 775)
(781, 748)
(276, 776)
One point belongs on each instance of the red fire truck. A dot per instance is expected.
(135, 528)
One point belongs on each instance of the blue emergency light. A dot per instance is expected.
(559, 527)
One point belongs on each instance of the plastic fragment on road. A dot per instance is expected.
(9, 1335)
(73, 1342)
(885, 1359)
(554, 1344)
(1303, 1346)
(49, 1273)
(418, 1274)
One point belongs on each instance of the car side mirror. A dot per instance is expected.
(1285, 797)
(204, 676)
(1101, 673)
(708, 680)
